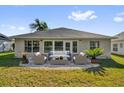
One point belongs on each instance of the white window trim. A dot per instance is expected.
(70, 44)
(43, 45)
(77, 46)
(58, 41)
(32, 44)
(64, 41)
(27, 46)
(121, 45)
(115, 47)
(96, 45)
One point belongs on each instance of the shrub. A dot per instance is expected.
(93, 53)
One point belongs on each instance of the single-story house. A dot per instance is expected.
(5, 44)
(117, 45)
(61, 39)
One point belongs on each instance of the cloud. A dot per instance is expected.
(12, 27)
(21, 28)
(82, 16)
(121, 14)
(93, 17)
(2, 25)
(8, 26)
(119, 18)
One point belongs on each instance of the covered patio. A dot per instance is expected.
(55, 59)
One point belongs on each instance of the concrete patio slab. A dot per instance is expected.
(60, 67)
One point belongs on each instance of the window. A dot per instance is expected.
(58, 45)
(35, 46)
(115, 47)
(31, 46)
(74, 45)
(67, 46)
(28, 46)
(121, 45)
(48, 46)
(94, 44)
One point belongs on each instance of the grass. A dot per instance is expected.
(111, 73)
(7, 59)
(116, 62)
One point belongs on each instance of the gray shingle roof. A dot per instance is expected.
(62, 33)
(3, 37)
(119, 36)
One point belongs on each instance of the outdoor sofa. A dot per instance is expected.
(39, 59)
(81, 59)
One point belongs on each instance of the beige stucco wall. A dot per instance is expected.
(104, 43)
(120, 50)
(82, 45)
(19, 47)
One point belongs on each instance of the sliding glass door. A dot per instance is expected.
(67, 46)
(48, 46)
(58, 45)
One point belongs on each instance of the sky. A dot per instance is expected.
(106, 20)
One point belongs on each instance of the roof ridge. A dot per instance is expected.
(119, 34)
(3, 37)
(62, 32)
(79, 31)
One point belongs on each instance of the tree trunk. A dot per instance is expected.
(93, 61)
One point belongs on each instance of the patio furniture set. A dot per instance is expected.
(58, 58)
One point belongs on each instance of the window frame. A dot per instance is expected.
(59, 46)
(115, 47)
(94, 44)
(121, 45)
(37, 45)
(64, 41)
(74, 46)
(26, 46)
(44, 45)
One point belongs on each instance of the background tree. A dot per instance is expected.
(39, 25)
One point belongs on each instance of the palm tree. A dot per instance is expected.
(39, 25)
(93, 53)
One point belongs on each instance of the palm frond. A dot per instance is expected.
(33, 26)
(39, 25)
(94, 52)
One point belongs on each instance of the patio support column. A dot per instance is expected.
(53, 45)
(41, 46)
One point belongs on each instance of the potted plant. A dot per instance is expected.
(24, 59)
(93, 53)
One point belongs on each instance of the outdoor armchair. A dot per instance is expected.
(39, 59)
(81, 60)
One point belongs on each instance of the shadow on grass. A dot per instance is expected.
(9, 60)
(109, 63)
(115, 62)
(96, 70)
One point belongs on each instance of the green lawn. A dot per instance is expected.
(111, 73)
(7, 59)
